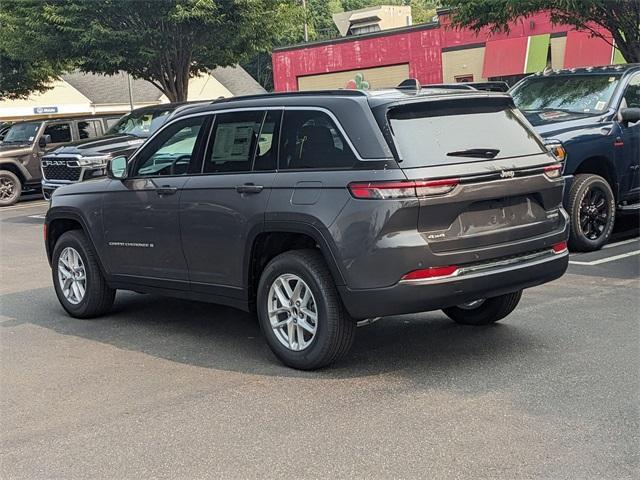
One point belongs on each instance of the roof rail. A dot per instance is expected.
(410, 84)
(306, 93)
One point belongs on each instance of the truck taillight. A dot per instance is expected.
(44, 231)
(553, 171)
(402, 189)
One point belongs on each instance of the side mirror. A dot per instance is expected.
(117, 168)
(44, 140)
(629, 115)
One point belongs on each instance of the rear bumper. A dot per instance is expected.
(489, 281)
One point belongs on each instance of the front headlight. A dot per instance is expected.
(93, 161)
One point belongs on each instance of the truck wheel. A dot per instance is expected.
(300, 311)
(10, 188)
(80, 286)
(592, 209)
(484, 311)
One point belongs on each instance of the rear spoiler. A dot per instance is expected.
(413, 84)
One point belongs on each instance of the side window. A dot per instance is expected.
(172, 151)
(89, 129)
(632, 94)
(267, 150)
(310, 139)
(111, 122)
(234, 141)
(60, 132)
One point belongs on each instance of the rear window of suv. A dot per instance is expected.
(428, 134)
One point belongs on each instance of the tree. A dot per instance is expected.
(162, 41)
(620, 17)
(29, 61)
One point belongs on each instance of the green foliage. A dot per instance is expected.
(620, 17)
(163, 41)
(29, 61)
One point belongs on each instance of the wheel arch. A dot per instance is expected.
(280, 237)
(13, 168)
(602, 166)
(59, 222)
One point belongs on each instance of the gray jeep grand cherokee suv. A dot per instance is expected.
(320, 209)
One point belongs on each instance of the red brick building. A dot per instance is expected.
(437, 53)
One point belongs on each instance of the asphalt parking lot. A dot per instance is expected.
(170, 389)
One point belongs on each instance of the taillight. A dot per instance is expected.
(432, 272)
(44, 231)
(553, 171)
(560, 247)
(402, 188)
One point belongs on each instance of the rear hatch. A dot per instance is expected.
(496, 182)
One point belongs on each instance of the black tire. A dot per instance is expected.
(98, 297)
(10, 188)
(592, 209)
(335, 330)
(490, 311)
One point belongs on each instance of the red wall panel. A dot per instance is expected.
(421, 48)
(583, 50)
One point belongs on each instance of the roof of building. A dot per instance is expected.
(114, 89)
(237, 80)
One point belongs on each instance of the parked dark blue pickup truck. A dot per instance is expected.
(595, 114)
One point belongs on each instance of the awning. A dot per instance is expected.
(515, 56)
(504, 57)
(583, 50)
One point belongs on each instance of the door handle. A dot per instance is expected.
(166, 190)
(249, 188)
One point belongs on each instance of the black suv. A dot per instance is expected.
(87, 159)
(320, 209)
(594, 113)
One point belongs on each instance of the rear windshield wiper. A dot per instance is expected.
(475, 153)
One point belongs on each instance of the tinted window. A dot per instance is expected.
(234, 141)
(425, 135)
(22, 133)
(267, 150)
(632, 94)
(172, 151)
(89, 129)
(310, 139)
(60, 132)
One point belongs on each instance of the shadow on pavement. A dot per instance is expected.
(428, 346)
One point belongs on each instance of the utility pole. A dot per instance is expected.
(306, 28)
(130, 91)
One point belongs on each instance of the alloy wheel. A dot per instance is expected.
(7, 188)
(594, 213)
(293, 313)
(72, 275)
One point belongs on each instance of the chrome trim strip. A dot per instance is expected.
(215, 112)
(489, 268)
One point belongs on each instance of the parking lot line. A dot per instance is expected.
(23, 206)
(606, 259)
(622, 242)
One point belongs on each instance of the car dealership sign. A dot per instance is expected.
(43, 110)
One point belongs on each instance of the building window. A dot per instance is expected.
(463, 78)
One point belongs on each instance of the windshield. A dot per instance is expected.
(571, 94)
(140, 124)
(21, 133)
